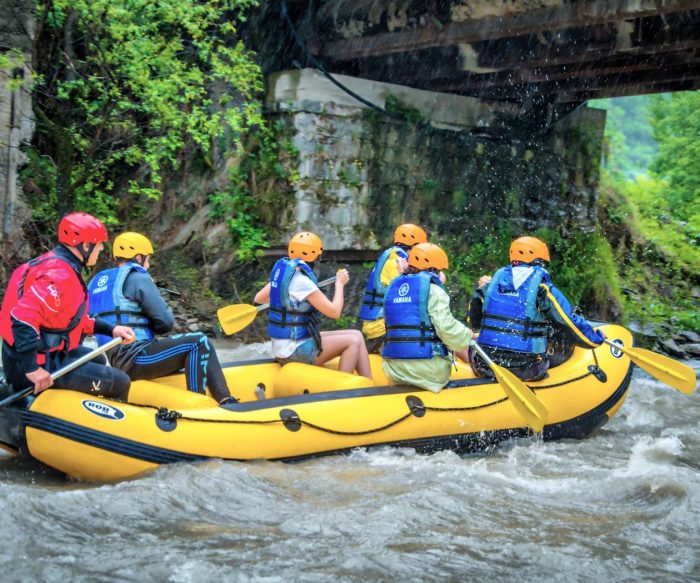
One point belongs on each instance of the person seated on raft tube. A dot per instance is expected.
(44, 317)
(420, 328)
(295, 299)
(517, 311)
(127, 294)
(391, 263)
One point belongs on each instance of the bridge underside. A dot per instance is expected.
(544, 54)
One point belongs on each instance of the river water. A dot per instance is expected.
(623, 505)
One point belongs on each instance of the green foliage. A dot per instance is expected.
(630, 146)
(582, 266)
(126, 88)
(651, 214)
(344, 322)
(676, 122)
(468, 262)
(259, 190)
(351, 174)
(658, 264)
(11, 61)
(395, 107)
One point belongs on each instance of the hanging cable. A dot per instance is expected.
(317, 64)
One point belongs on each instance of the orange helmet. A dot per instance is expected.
(426, 256)
(409, 234)
(527, 249)
(306, 246)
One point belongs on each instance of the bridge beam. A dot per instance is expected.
(580, 14)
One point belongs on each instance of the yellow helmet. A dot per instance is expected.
(527, 249)
(306, 246)
(426, 256)
(409, 234)
(129, 245)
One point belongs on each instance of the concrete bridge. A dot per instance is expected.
(546, 55)
(492, 81)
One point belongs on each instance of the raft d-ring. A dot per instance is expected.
(167, 420)
(290, 419)
(598, 373)
(415, 406)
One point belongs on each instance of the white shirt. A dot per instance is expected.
(300, 287)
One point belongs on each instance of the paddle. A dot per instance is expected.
(235, 317)
(61, 371)
(668, 371)
(523, 398)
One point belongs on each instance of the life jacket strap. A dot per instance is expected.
(376, 298)
(427, 334)
(530, 329)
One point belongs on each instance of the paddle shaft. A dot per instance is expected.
(324, 283)
(65, 370)
(483, 354)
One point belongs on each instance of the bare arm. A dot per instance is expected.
(331, 308)
(263, 296)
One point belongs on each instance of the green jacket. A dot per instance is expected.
(432, 373)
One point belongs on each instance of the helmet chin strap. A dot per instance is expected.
(86, 254)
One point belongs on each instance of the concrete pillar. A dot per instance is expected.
(455, 164)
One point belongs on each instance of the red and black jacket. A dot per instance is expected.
(45, 308)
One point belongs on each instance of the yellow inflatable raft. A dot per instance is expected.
(306, 411)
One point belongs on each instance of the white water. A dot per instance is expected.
(623, 505)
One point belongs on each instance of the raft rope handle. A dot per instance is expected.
(164, 412)
(167, 414)
(561, 384)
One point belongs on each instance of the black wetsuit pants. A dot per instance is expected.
(191, 352)
(93, 377)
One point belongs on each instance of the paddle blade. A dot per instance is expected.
(523, 398)
(668, 371)
(236, 317)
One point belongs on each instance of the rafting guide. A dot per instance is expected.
(45, 314)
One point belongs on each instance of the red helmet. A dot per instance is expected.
(77, 228)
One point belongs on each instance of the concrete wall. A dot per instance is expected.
(455, 164)
(16, 118)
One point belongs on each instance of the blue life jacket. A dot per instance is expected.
(409, 330)
(373, 298)
(511, 320)
(107, 301)
(287, 318)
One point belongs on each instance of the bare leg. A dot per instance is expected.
(350, 346)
